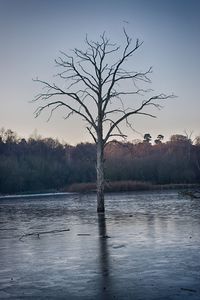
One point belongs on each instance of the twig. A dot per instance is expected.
(188, 290)
(42, 232)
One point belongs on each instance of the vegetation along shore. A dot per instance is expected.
(41, 164)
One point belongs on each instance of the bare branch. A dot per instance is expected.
(59, 92)
(90, 75)
(114, 73)
(116, 127)
(53, 109)
(70, 65)
(57, 104)
(91, 133)
(137, 111)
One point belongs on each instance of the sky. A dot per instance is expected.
(32, 32)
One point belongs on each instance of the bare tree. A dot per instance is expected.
(96, 85)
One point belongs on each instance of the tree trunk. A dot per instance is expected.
(100, 177)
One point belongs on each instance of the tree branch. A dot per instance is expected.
(45, 96)
(91, 133)
(137, 111)
(57, 104)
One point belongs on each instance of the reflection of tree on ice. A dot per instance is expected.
(104, 257)
(96, 87)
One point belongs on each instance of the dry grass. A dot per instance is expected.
(125, 186)
(81, 187)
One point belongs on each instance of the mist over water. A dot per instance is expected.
(146, 246)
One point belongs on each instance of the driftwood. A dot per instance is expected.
(37, 234)
(192, 194)
(83, 234)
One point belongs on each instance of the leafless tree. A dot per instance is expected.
(96, 85)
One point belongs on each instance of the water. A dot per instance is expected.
(146, 246)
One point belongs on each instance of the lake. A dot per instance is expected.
(146, 246)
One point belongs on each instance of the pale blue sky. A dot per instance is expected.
(32, 32)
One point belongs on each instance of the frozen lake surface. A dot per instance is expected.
(146, 246)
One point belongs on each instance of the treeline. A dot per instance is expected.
(40, 164)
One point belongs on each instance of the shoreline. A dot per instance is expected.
(111, 187)
(128, 186)
(34, 195)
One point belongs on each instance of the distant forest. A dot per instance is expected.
(40, 164)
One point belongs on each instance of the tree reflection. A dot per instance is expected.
(104, 263)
